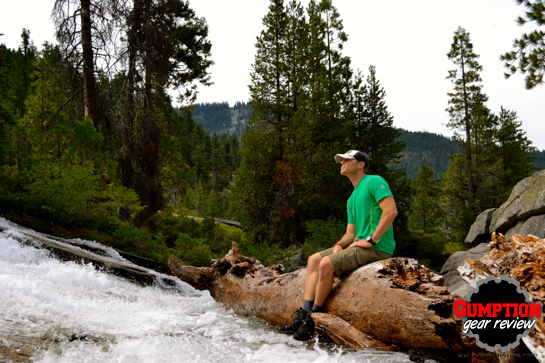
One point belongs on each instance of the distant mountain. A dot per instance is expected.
(219, 118)
(421, 147)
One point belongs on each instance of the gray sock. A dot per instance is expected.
(317, 309)
(307, 305)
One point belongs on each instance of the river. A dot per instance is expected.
(58, 311)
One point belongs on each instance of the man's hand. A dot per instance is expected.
(361, 243)
(337, 248)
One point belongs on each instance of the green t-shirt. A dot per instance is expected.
(364, 211)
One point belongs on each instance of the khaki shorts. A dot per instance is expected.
(351, 258)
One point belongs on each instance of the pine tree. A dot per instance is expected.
(427, 213)
(474, 127)
(84, 32)
(529, 54)
(466, 98)
(46, 131)
(266, 168)
(515, 150)
(167, 46)
(380, 140)
(7, 116)
(323, 131)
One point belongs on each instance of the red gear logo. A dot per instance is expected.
(497, 313)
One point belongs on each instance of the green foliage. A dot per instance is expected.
(71, 193)
(321, 234)
(426, 148)
(466, 101)
(139, 241)
(515, 150)
(170, 226)
(193, 251)
(266, 253)
(209, 162)
(427, 248)
(460, 214)
(375, 133)
(427, 212)
(194, 242)
(528, 56)
(190, 199)
(539, 159)
(452, 247)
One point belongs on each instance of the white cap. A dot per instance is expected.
(352, 154)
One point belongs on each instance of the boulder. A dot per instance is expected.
(455, 284)
(480, 229)
(526, 200)
(523, 212)
(534, 225)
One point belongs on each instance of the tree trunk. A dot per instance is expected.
(89, 82)
(390, 304)
(126, 129)
(469, 169)
(148, 186)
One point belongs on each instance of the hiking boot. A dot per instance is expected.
(306, 331)
(292, 327)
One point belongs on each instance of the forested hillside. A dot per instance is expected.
(423, 147)
(219, 118)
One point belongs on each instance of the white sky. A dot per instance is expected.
(407, 42)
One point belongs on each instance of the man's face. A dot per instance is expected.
(350, 166)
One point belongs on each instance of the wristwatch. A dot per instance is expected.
(370, 240)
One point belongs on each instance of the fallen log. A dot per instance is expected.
(391, 304)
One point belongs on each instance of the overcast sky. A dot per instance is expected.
(407, 42)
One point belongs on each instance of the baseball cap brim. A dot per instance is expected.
(340, 157)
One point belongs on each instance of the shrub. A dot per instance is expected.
(193, 251)
(427, 248)
(321, 235)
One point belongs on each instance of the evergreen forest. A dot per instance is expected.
(421, 147)
(91, 145)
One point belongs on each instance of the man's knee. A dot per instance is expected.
(314, 260)
(326, 267)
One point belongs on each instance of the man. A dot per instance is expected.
(369, 237)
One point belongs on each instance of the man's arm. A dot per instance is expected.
(389, 213)
(347, 239)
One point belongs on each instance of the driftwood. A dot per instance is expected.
(394, 304)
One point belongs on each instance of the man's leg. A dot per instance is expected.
(313, 273)
(325, 281)
(322, 288)
(310, 290)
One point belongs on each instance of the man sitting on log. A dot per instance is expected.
(369, 237)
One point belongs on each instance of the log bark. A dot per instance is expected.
(390, 304)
